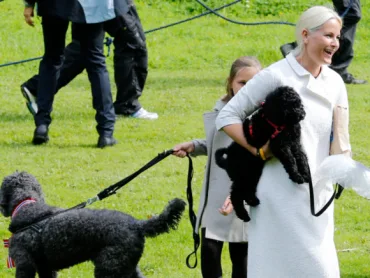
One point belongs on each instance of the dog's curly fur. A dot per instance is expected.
(283, 106)
(112, 240)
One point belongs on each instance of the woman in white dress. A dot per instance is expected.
(285, 239)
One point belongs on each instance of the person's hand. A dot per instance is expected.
(227, 207)
(28, 15)
(182, 149)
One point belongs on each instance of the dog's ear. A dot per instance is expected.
(293, 107)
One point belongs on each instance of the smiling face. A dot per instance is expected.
(320, 46)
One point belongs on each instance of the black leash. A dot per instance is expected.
(192, 217)
(109, 190)
(336, 194)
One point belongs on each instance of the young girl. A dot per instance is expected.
(215, 217)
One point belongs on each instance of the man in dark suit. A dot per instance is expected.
(130, 66)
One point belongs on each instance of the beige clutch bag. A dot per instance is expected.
(340, 143)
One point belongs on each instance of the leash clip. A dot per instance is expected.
(92, 200)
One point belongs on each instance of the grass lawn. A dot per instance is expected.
(188, 66)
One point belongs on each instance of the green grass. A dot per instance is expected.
(188, 67)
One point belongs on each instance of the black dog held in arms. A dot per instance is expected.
(112, 240)
(276, 120)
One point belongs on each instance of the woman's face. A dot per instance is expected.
(242, 77)
(320, 45)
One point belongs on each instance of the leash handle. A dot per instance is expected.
(192, 216)
(336, 194)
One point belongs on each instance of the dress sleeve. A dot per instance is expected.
(200, 147)
(247, 99)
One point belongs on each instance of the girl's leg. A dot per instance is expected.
(211, 257)
(239, 258)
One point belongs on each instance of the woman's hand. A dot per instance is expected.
(227, 207)
(266, 150)
(28, 15)
(181, 150)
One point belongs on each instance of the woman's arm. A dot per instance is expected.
(235, 131)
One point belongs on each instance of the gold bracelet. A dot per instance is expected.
(262, 154)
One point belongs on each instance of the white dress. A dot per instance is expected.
(285, 240)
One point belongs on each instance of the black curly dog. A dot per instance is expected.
(276, 120)
(112, 240)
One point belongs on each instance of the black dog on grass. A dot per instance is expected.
(112, 240)
(278, 121)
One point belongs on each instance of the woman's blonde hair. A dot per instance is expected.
(312, 20)
(238, 65)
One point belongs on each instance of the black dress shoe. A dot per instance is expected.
(40, 136)
(106, 141)
(350, 79)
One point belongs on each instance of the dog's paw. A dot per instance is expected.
(298, 179)
(244, 216)
(253, 202)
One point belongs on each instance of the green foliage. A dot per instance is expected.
(188, 67)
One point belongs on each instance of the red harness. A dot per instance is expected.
(277, 128)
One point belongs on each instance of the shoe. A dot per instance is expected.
(40, 136)
(106, 141)
(31, 100)
(143, 114)
(350, 79)
(287, 48)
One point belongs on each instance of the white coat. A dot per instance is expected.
(285, 240)
(216, 186)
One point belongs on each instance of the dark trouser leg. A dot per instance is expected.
(130, 73)
(32, 84)
(54, 31)
(72, 66)
(239, 258)
(211, 257)
(343, 57)
(91, 38)
(73, 63)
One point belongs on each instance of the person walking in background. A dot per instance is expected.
(215, 217)
(284, 238)
(350, 11)
(90, 33)
(130, 66)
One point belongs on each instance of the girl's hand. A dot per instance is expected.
(227, 207)
(182, 149)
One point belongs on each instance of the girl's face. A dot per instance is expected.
(242, 77)
(321, 44)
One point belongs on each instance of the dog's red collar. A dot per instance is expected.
(22, 204)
